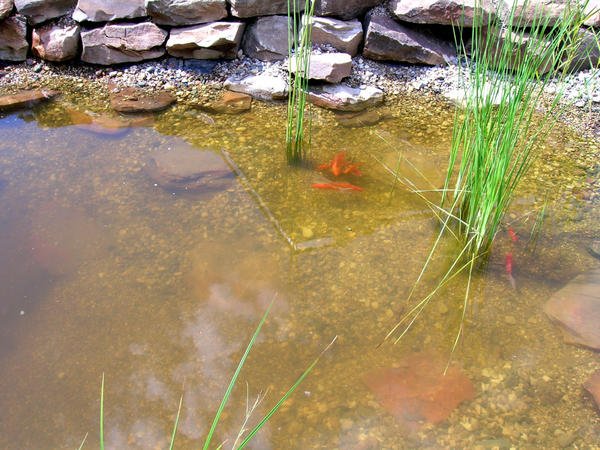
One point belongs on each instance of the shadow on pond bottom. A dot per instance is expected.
(105, 271)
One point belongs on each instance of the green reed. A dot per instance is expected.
(498, 131)
(299, 49)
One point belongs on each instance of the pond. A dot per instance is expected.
(103, 271)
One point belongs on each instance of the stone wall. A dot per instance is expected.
(107, 32)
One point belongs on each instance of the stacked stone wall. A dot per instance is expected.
(108, 32)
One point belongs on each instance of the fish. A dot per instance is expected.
(512, 234)
(509, 269)
(339, 165)
(337, 186)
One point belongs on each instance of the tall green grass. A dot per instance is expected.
(299, 49)
(504, 119)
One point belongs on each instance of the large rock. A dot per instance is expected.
(442, 12)
(6, 7)
(420, 389)
(576, 308)
(254, 8)
(131, 100)
(344, 98)
(55, 43)
(186, 12)
(330, 67)
(587, 55)
(122, 43)
(25, 99)
(527, 12)
(207, 41)
(38, 11)
(266, 39)
(229, 103)
(344, 9)
(592, 385)
(13, 39)
(262, 87)
(389, 41)
(344, 35)
(185, 168)
(107, 10)
(520, 44)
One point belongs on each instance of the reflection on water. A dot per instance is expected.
(104, 271)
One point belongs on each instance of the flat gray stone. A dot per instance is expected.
(576, 308)
(186, 12)
(57, 43)
(123, 43)
(442, 12)
(261, 87)
(344, 98)
(344, 9)
(38, 11)
(186, 168)
(255, 8)
(108, 10)
(214, 40)
(343, 35)
(266, 39)
(330, 67)
(387, 40)
(6, 7)
(13, 39)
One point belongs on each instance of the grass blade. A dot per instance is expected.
(285, 396)
(176, 424)
(102, 413)
(234, 378)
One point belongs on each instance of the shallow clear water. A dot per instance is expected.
(104, 272)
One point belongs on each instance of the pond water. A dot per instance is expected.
(104, 272)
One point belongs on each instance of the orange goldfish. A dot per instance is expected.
(509, 269)
(339, 165)
(512, 234)
(337, 186)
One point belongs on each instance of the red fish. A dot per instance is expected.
(340, 166)
(512, 234)
(509, 269)
(337, 186)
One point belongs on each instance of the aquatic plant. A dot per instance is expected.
(244, 436)
(299, 49)
(505, 116)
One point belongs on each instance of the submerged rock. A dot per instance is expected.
(13, 39)
(131, 100)
(594, 248)
(362, 118)
(345, 98)
(418, 391)
(188, 169)
(25, 98)
(262, 87)
(576, 308)
(592, 385)
(229, 103)
(106, 125)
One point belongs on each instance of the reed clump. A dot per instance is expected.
(504, 118)
(299, 49)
